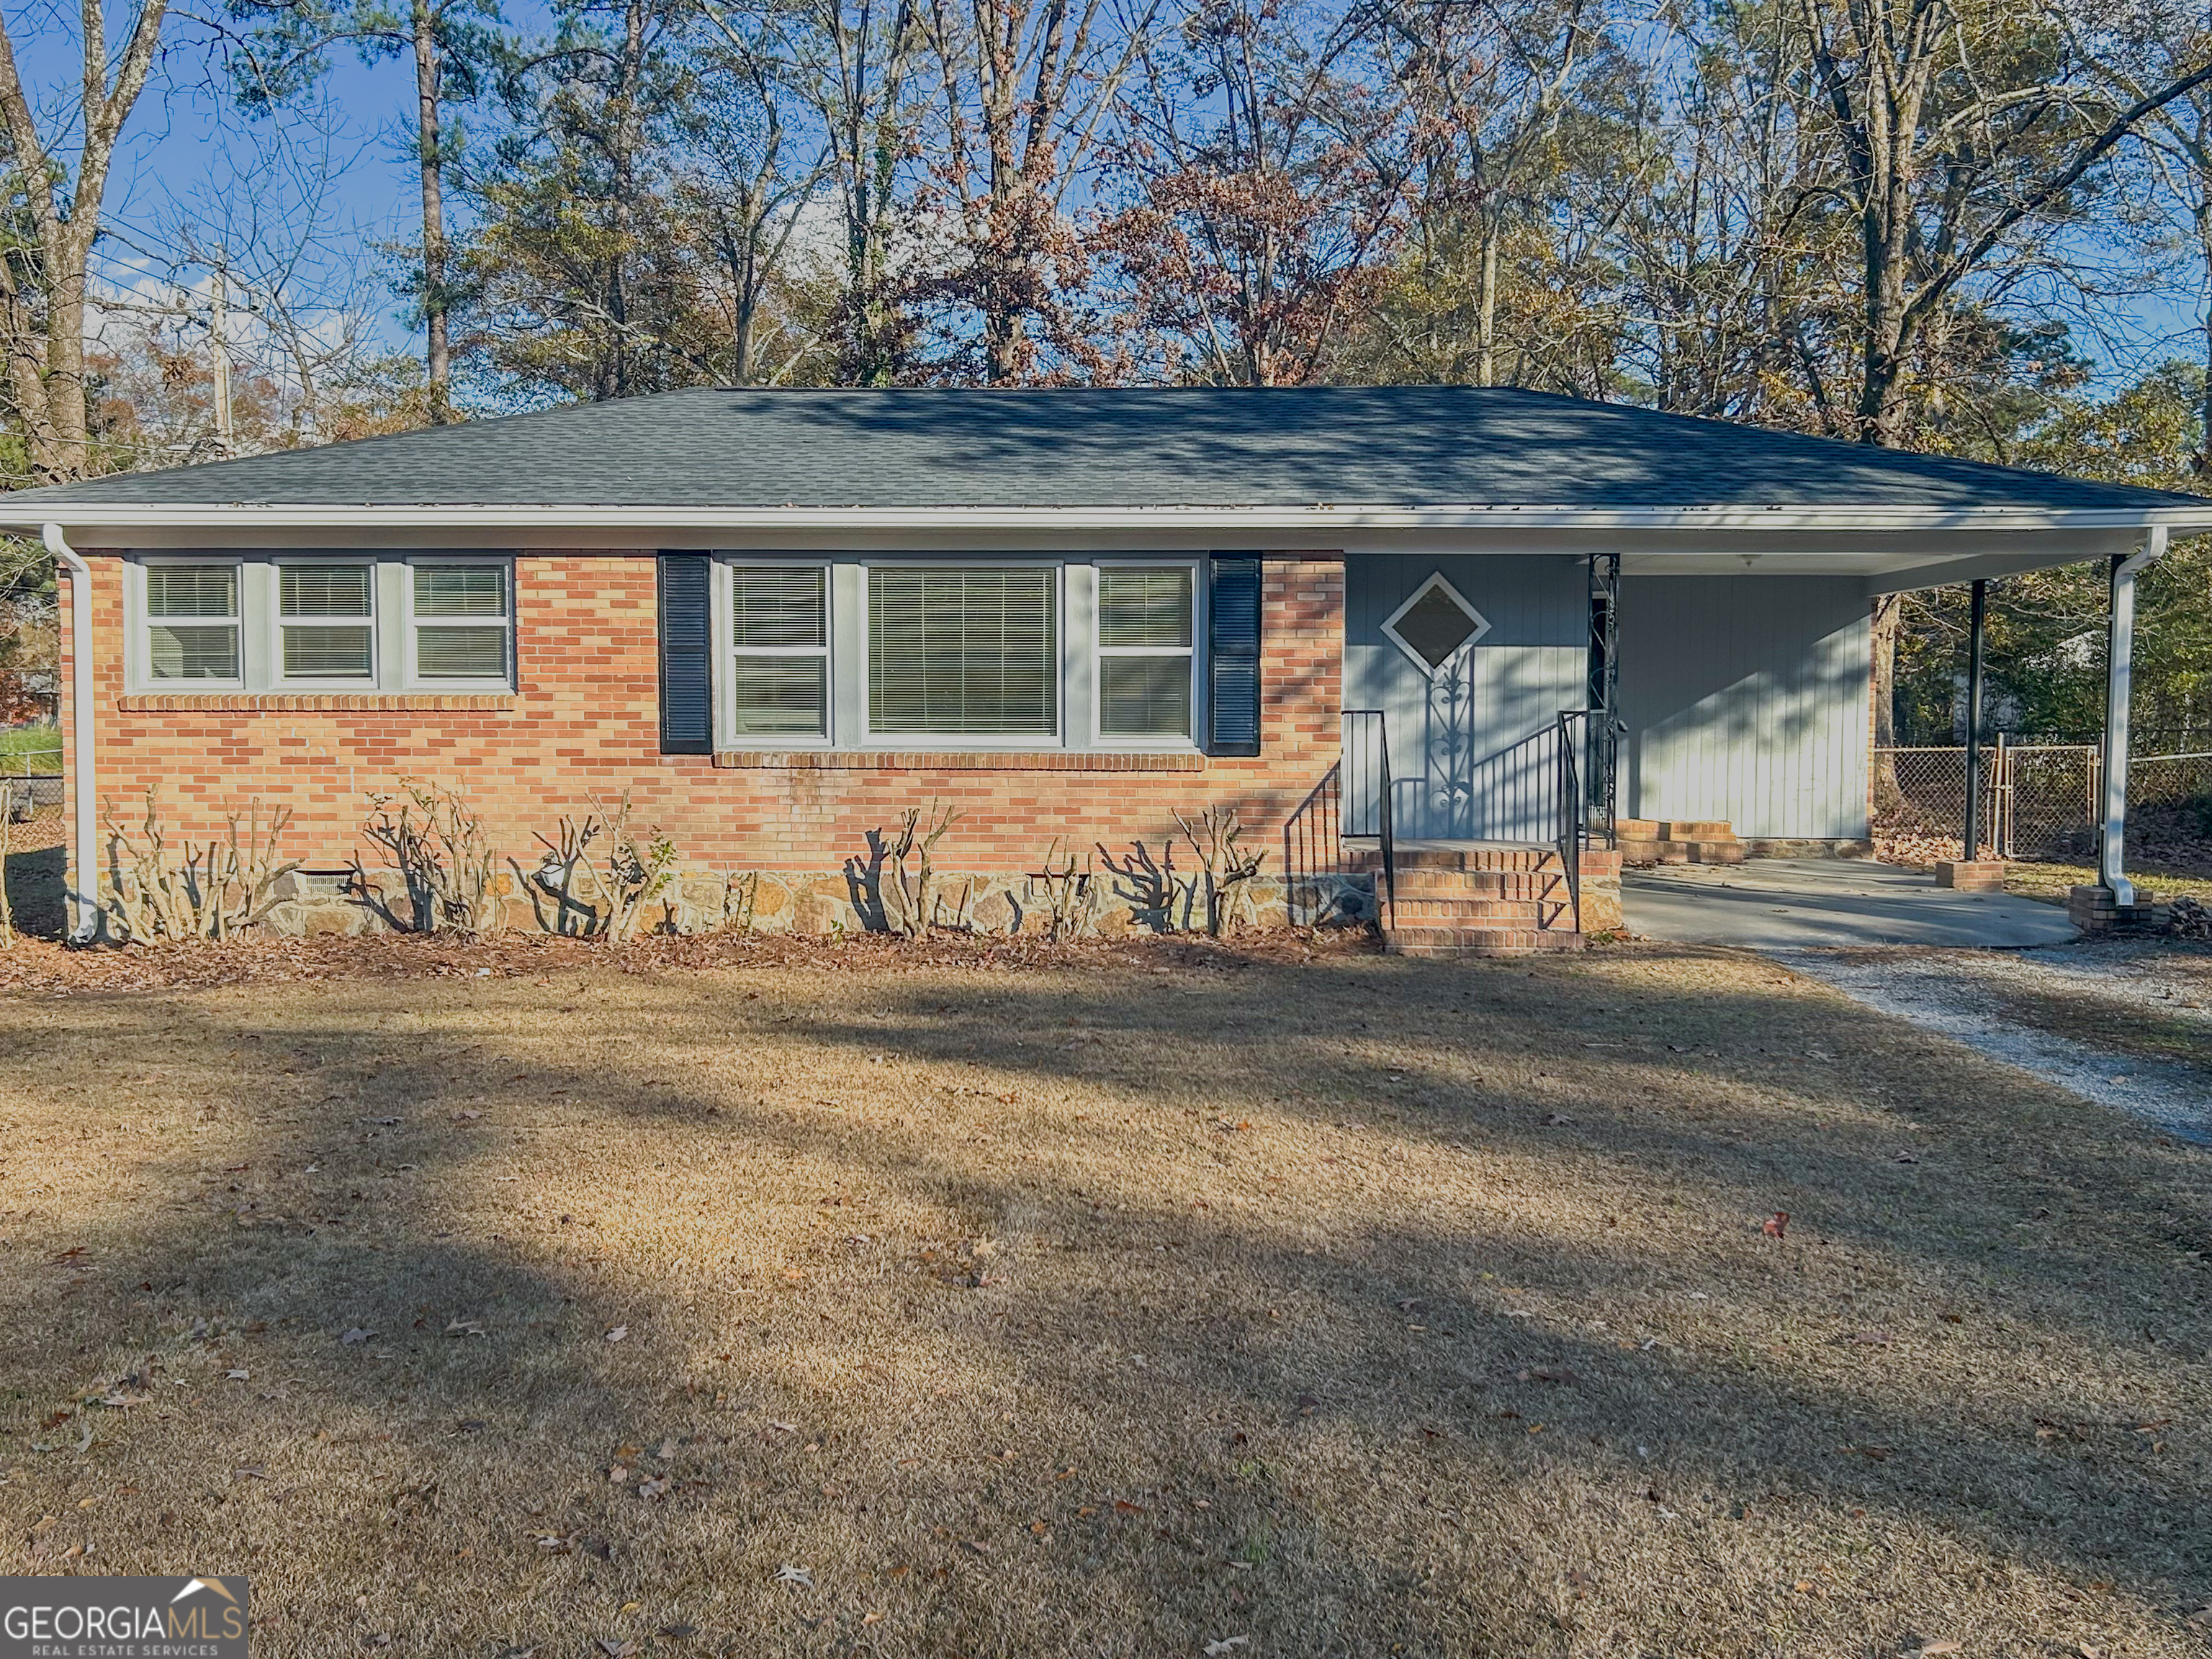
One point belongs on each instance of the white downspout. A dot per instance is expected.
(2119, 679)
(83, 797)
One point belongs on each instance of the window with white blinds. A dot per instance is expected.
(1145, 631)
(192, 622)
(780, 652)
(460, 622)
(292, 620)
(964, 651)
(326, 620)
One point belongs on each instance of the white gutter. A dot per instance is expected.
(1323, 518)
(83, 799)
(2119, 682)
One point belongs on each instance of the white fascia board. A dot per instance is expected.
(1883, 550)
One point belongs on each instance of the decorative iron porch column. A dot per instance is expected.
(1601, 790)
(2120, 637)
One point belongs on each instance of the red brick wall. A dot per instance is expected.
(584, 723)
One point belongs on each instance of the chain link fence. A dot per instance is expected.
(33, 829)
(2040, 800)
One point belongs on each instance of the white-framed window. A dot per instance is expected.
(460, 622)
(192, 620)
(326, 620)
(968, 651)
(295, 620)
(777, 683)
(1146, 653)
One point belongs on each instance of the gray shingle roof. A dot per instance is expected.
(1395, 446)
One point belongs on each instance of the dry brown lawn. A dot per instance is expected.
(1120, 1301)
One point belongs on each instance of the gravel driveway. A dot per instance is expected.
(2124, 1024)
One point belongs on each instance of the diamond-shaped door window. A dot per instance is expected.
(1436, 624)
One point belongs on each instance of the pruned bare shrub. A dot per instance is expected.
(211, 890)
(602, 874)
(740, 897)
(906, 906)
(1225, 869)
(439, 849)
(1070, 896)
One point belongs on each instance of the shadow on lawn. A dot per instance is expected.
(1231, 1398)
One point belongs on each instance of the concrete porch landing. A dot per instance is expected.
(1786, 903)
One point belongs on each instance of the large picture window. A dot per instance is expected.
(1145, 629)
(192, 622)
(964, 651)
(779, 651)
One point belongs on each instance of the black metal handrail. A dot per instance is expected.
(1364, 746)
(1313, 840)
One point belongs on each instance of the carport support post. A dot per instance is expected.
(1978, 618)
(2119, 658)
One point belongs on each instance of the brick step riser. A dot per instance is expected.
(1479, 884)
(1476, 860)
(1681, 851)
(1423, 913)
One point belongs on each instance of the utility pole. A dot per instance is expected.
(218, 325)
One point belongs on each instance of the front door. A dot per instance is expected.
(1470, 657)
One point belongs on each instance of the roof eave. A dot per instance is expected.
(1323, 518)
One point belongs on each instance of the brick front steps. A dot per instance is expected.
(1478, 902)
(1678, 840)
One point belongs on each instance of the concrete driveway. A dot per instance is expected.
(1797, 903)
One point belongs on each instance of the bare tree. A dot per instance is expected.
(1489, 84)
(1958, 121)
(1265, 176)
(1026, 85)
(44, 287)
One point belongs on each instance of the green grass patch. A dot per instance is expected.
(24, 749)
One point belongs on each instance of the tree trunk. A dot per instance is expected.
(429, 138)
(2202, 212)
(1485, 302)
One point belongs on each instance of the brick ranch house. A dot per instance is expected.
(1477, 643)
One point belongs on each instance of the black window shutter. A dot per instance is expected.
(1233, 655)
(687, 699)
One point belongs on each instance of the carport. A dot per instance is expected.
(1779, 905)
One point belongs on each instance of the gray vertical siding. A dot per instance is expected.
(1454, 744)
(1745, 699)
